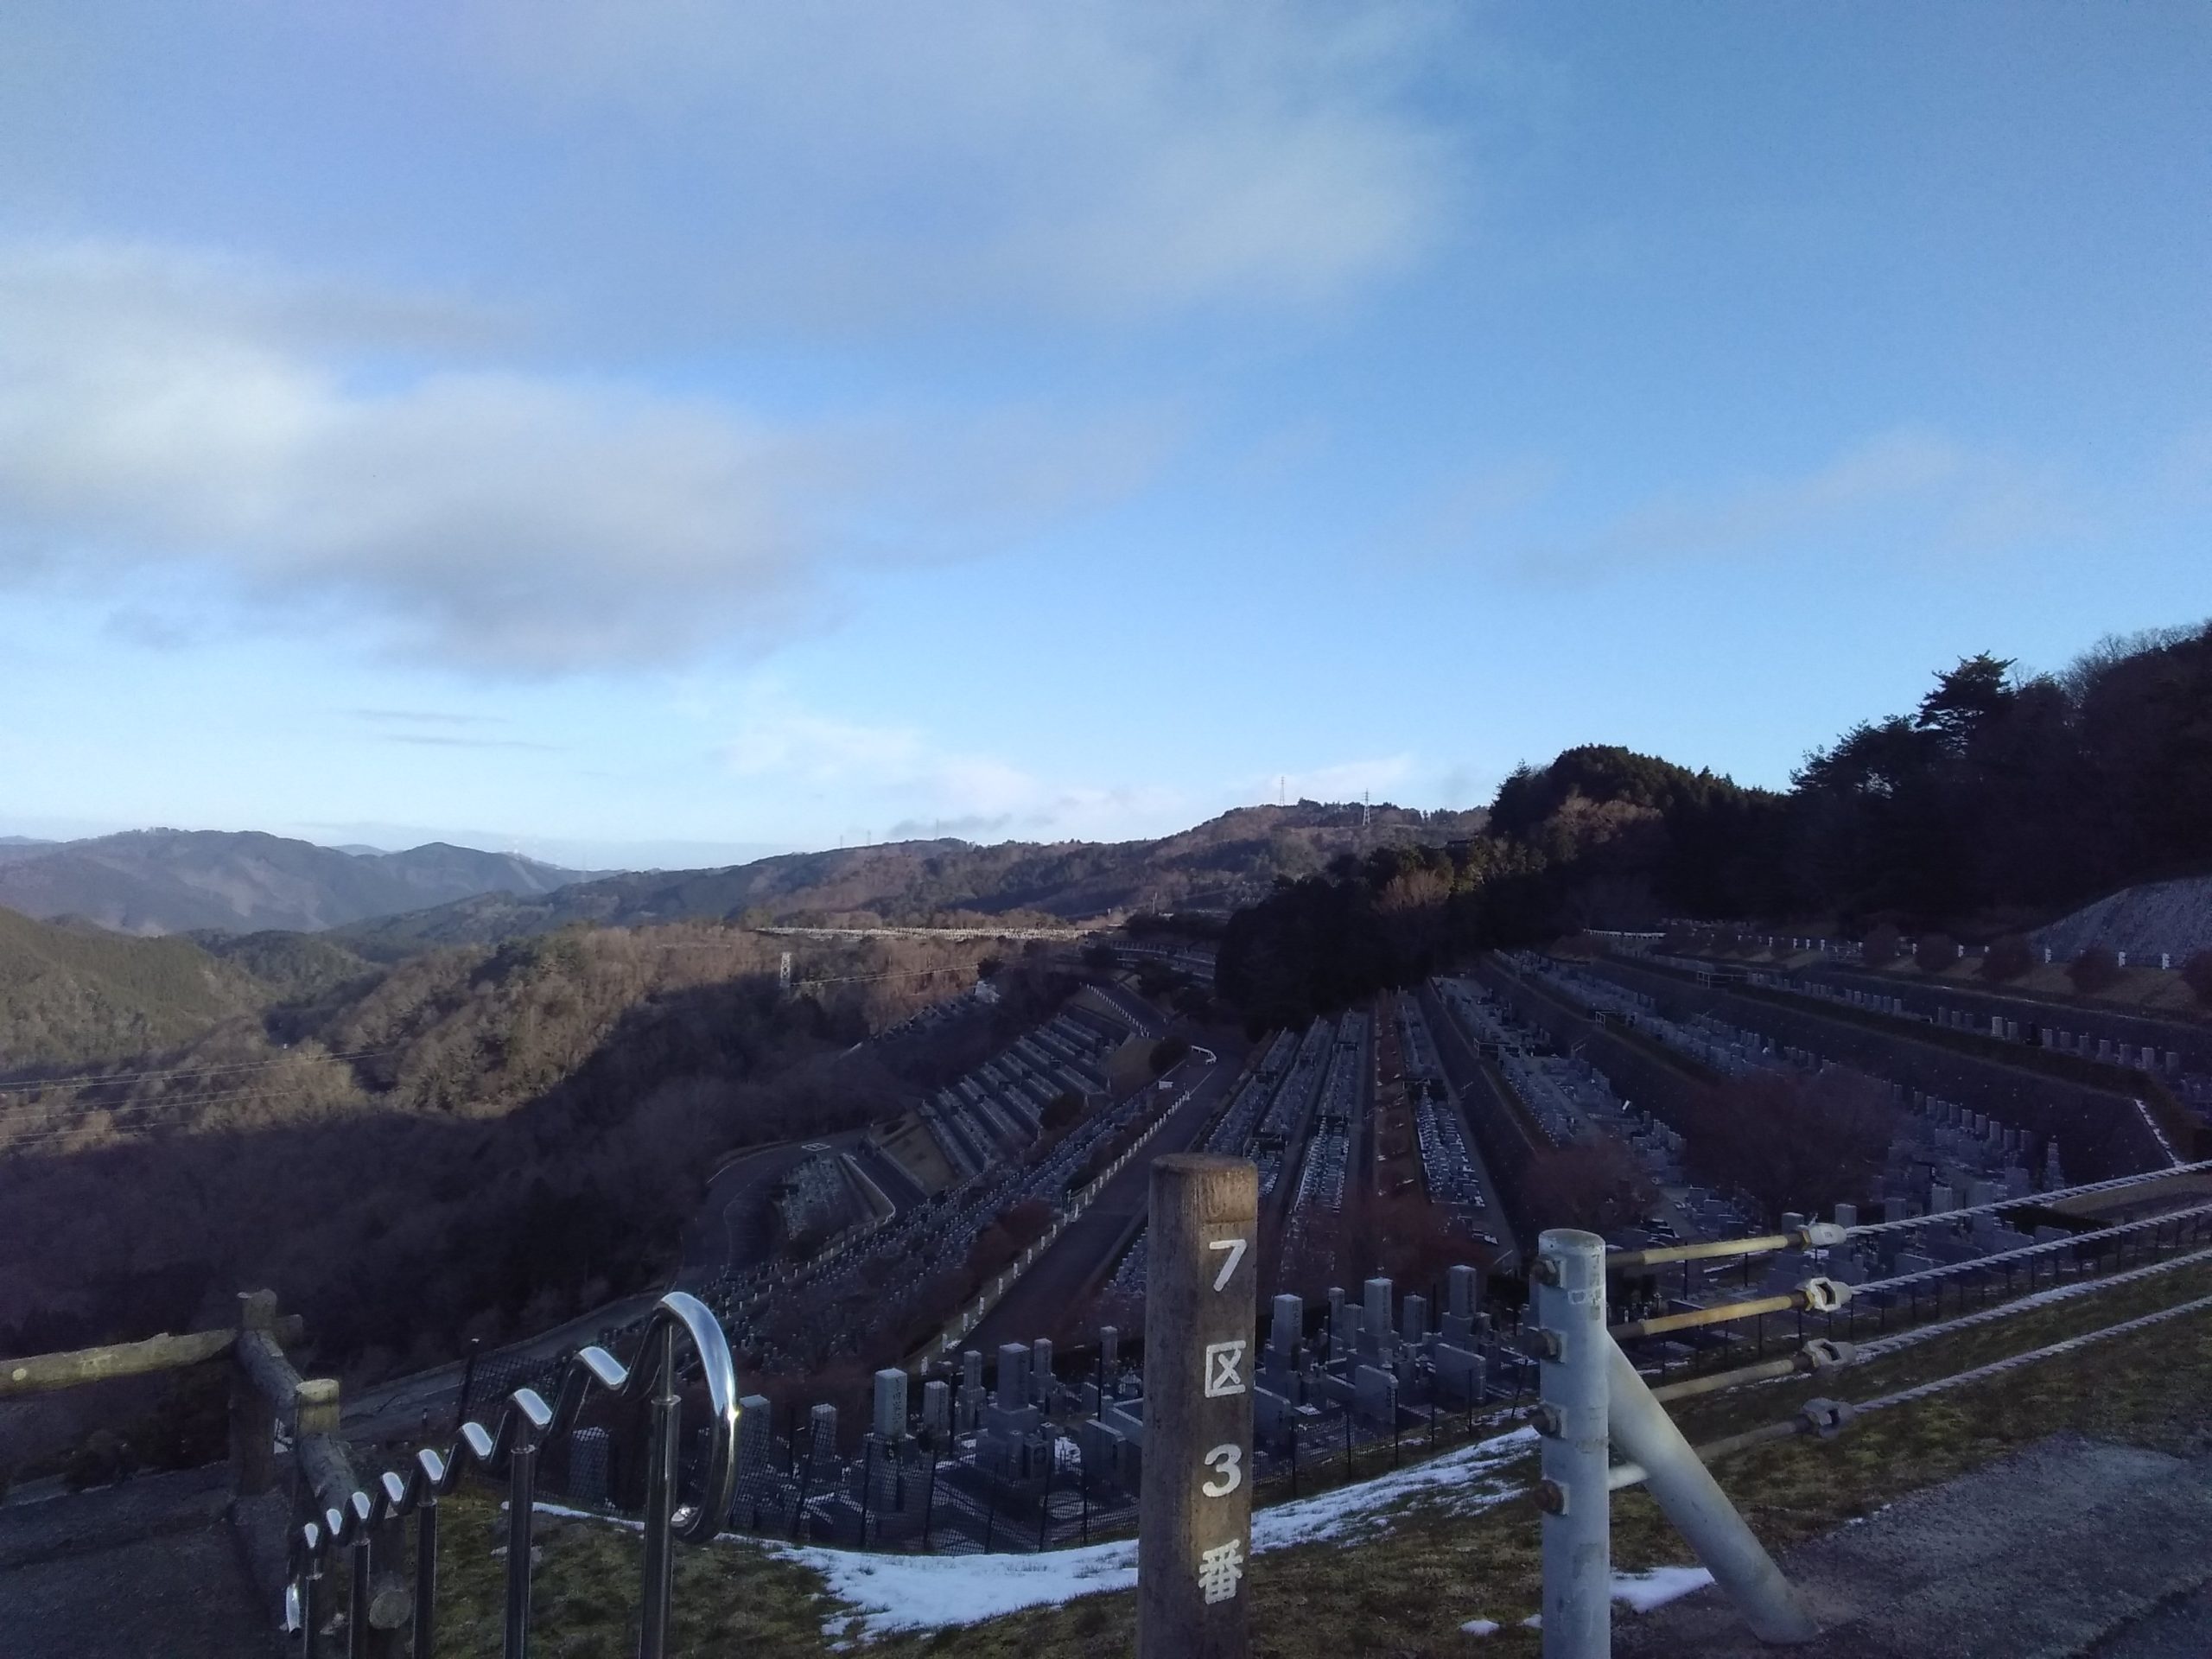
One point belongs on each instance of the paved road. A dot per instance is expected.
(1148, 1020)
(391, 1410)
(735, 1228)
(1059, 1279)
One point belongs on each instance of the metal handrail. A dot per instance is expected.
(525, 1428)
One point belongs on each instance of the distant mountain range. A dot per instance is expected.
(153, 881)
(1225, 862)
(166, 882)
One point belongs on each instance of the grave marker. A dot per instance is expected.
(1194, 1533)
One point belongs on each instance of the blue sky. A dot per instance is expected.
(660, 432)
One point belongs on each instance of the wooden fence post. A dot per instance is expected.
(1194, 1533)
(253, 1415)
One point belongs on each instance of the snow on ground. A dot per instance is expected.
(928, 1593)
(1641, 1591)
(887, 1593)
(1644, 1590)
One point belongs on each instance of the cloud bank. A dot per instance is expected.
(855, 162)
(164, 410)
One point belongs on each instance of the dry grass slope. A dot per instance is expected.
(1409, 1591)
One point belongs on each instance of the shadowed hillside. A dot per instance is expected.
(481, 1138)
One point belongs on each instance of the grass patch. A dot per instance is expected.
(1409, 1591)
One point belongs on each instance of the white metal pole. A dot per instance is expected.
(1570, 1295)
(1693, 1500)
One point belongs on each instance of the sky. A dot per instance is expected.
(667, 432)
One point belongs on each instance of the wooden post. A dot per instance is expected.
(1194, 1533)
(253, 1414)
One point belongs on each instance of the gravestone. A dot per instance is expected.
(890, 1420)
(1459, 1375)
(1014, 1376)
(1376, 1395)
(1412, 1319)
(1374, 1313)
(756, 1425)
(587, 1466)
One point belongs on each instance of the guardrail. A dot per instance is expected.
(1594, 1403)
(388, 1610)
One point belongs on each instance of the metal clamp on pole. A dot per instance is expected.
(1816, 1236)
(1570, 1298)
(1820, 1357)
(1813, 1296)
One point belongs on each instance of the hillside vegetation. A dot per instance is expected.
(154, 881)
(480, 1140)
(2004, 799)
(1233, 859)
(73, 996)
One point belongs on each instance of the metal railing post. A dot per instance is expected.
(310, 1584)
(522, 1499)
(1572, 1347)
(660, 1497)
(426, 1577)
(1686, 1491)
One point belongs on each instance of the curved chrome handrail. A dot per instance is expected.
(528, 1424)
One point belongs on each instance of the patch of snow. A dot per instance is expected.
(1479, 1627)
(1644, 1590)
(1458, 1483)
(1534, 1622)
(889, 1593)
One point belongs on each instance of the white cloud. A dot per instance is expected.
(899, 782)
(1101, 159)
(161, 411)
(1345, 781)
(1910, 491)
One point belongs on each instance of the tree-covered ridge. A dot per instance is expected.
(481, 1139)
(153, 881)
(2011, 792)
(1228, 860)
(72, 994)
(2003, 799)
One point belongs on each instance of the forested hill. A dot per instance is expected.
(472, 1141)
(68, 995)
(151, 881)
(1227, 861)
(2002, 801)
(73, 995)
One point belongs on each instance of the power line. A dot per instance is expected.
(90, 1079)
